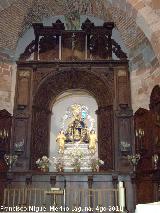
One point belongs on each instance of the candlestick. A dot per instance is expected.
(10, 160)
(121, 195)
(60, 47)
(120, 184)
(134, 159)
(155, 158)
(86, 55)
(5, 195)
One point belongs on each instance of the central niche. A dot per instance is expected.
(73, 123)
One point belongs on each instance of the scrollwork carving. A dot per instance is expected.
(98, 47)
(105, 131)
(28, 51)
(92, 42)
(21, 114)
(64, 80)
(117, 50)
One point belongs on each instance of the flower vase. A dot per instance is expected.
(60, 169)
(95, 169)
(76, 169)
(45, 169)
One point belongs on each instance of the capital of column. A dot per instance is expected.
(102, 109)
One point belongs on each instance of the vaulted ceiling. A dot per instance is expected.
(136, 20)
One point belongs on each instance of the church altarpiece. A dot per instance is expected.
(62, 78)
(53, 72)
(57, 61)
(58, 66)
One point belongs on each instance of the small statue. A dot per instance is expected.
(85, 135)
(69, 134)
(77, 136)
(92, 141)
(61, 141)
(77, 131)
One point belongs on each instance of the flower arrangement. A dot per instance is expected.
(77, 152)
(59, 163)
(43, 163)
(76, 157)
(76, 163)
(95, 163)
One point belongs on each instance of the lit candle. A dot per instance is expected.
(14, 193)
(86, 47)
(120, 184)
(60, 48)
(35, 198)
(29, 200)
(19, 197)
(121, 194)
(4, 201)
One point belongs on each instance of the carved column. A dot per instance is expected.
(40, 134)
(105, 136)
(125, 135)
(123, 120)
(22, 118)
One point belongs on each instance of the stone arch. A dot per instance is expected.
(143, 15)
(54, 85)
(79, 76)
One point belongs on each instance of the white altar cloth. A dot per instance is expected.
(148, 208)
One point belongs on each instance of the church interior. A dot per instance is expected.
(79, 105)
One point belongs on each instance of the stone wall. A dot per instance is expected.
(137, 21)
(145, 73)
(142, 83)
(155, 4)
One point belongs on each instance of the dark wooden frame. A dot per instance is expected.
(106, 80)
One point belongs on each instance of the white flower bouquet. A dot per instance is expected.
(43, 163)
(59, 163)
(76, 153)
(76, 163)
(95, 163)
(76, 157)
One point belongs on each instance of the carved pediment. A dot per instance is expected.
(56, 43)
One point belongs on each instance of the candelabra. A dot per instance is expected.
(155, 159)
(4, 135)
(10, 160)
(140, 137)
(134, 159)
